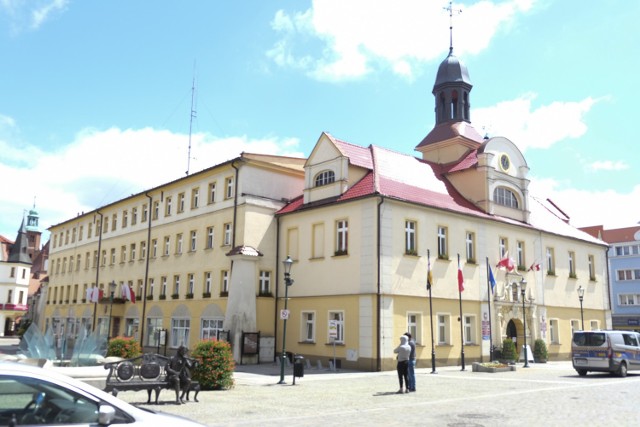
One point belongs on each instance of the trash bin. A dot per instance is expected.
(298, 367)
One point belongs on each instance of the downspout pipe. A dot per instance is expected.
(146, 270)
(235, 203)
(277, 270)
(379, 288)
(95, 304)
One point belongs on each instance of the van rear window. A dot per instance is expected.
(589, 339)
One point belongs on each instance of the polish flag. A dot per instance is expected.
(535, 266)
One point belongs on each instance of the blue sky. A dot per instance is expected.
(95, 97)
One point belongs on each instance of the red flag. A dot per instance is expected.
(100, 295)
(535, 266)
(460, 280)
(132, 295)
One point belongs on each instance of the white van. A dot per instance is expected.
(605, 351)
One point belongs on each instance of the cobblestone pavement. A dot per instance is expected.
(550, 394)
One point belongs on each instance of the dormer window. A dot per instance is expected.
(505, 197)
(324, 178)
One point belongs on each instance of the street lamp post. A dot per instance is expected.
(581, 297)
(523, 291)
(285, 313)
(112, 289)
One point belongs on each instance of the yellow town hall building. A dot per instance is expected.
(363, 226)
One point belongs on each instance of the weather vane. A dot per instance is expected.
(451, 10)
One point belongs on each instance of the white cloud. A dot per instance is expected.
(30, 14)
(42, 13)
(530, 127)
(608, 165)
(361, 34)
(586, 207)
(101, 166)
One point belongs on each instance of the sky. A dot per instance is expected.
(102, 100)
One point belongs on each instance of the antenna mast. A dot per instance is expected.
(192, 116)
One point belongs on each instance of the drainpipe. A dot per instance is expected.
(95, 304)
(277, 269)
(146, 270)
(235, 204)
(379, 291)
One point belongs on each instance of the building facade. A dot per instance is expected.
(364, 227)
(624, 269)
(17, 279)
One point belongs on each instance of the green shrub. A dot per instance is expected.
(124, 347)
(509, 350)
(215, 365)
(540, 351)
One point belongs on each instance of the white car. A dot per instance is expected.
(30, 396)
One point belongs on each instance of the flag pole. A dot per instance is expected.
(460, 318)
(429, 285)
(489, 306)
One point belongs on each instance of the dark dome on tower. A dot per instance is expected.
(451, 70)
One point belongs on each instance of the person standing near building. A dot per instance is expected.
(411, 369)
(403, 351)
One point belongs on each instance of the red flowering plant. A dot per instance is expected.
(215, 365)
(125, 347)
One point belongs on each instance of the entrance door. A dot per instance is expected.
(512, 332)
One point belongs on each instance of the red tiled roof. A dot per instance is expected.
(620, 235)
(357, 155)
(449, 130)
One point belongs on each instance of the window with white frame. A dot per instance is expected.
(154, 326)
(626, 250)
(308, 327)
(410, 247)
(551, 264)
(125, 219)
(143, 249)
(156, 210)
(575, 326)
(176, 285)
(629, 299)
(470, 246)
(443, 250)
(180, 332)
(572, 264)
(594, 325)
(520, 253)
(553, 331)
(469, 328)
(625, 275)
(212, 192)
(503, 246)
(167, 206)
(180, 202)
(227, 234)
(342, 237)
(179, 243)
(167, 245)
(195, 198)
(163, 288)
(190, 284)
(131, 326)
(194, 235)
(145, 213)
(444, 325)
(154, 248)
(132, 252)
(151, 287)
(265, 282)
(337, 319)
(505, 197)
(134, 216)
(592, 269)
(210, 237)
(228, 193)
(224, 281)
(207, 282)
(209, 328)
(414, 321)
(324, 178)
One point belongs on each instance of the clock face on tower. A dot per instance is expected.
(505, 162)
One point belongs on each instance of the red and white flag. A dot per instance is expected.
(506, 262)
(535, 266)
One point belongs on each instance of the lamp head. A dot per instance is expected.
(112, 286)
(523, 285)
(580, 292)
(287, 265)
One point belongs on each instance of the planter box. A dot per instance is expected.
(479, 367)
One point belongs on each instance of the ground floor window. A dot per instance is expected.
(308, 329)
(154, 326)
(414, 321)
(336, 326)
(131, 326)
(553, 331)
(443, 329)
(180, 332)
(209, 328)
(469, 329)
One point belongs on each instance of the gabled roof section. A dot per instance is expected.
(450, 130)
(358, 156)
(19, 250)
(614, 235)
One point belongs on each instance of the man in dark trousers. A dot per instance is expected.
(411, 369)
(178, 373)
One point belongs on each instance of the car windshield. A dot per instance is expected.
(589, 339)
(35, 401)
